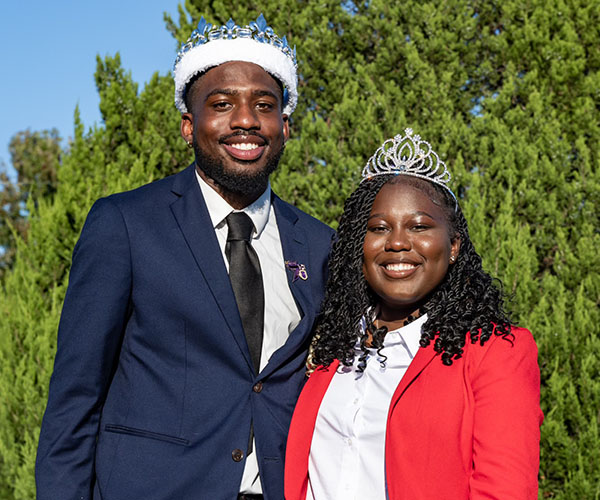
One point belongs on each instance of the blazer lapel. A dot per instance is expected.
(302, 429)
(193, 219)
(295, 249)
(423, 358)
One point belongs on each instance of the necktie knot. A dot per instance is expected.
(240, 227)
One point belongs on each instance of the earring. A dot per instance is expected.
(189, 144)
(452, 259)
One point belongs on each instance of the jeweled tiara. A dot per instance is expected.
(408, 155)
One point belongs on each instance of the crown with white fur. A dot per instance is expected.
(408, 155)
(209, 46)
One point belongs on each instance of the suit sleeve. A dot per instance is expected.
(89, 338)
(506, 390)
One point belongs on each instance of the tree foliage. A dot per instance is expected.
(35, 157)
(12, 220)
(509, 93)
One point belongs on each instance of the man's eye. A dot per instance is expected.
(221, 105)
(264, 106)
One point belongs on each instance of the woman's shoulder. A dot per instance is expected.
(516, 336)
(521, 332)
(520, 337)
(506, 348)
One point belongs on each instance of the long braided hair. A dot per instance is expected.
(468, 303)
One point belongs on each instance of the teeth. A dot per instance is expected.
(246, 146)
(400, 267)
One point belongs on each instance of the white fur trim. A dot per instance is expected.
(216, 52)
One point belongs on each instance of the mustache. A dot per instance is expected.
(246, 133)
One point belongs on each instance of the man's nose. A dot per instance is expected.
(245, 116)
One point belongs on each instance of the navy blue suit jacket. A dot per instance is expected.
(152, 384)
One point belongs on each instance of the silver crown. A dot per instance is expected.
(257, 30)
(408, 155)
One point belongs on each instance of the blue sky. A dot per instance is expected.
(48, 57)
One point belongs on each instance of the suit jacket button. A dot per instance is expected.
(257, 387)
(237, 455)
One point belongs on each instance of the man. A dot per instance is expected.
(185, 326)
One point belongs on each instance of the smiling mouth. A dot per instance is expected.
(400, 266)
(244, 147)
(399, 270)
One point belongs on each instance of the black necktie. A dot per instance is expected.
(246, 280)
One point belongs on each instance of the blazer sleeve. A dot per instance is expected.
(507, 419)
(89, 339)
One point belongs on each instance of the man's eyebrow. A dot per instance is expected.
(221, 92)
(262, 93)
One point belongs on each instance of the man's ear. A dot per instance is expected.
(187, 127)
(286, 127)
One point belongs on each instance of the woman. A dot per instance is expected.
(422, 389)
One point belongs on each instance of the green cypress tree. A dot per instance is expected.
(508, 94)
(35, 157)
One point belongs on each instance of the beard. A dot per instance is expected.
(246, 184)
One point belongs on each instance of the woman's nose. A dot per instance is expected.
(397, 241)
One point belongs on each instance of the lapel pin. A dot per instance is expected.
(299, 270)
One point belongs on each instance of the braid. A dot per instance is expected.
(347, 295)
(468, 301)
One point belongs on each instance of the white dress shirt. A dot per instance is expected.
(347, 454)
(281, 314)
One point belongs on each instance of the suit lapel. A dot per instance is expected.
(193, 219)
(295, 250)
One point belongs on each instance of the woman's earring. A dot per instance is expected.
(452, 259)
(190, 145)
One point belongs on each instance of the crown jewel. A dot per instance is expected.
(408, 155)
(257, 30)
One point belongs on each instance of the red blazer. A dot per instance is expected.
(466, 431)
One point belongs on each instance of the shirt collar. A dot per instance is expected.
(219, 209)
(409, 334)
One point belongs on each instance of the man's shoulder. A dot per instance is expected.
(311, 223)
(151, 193)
